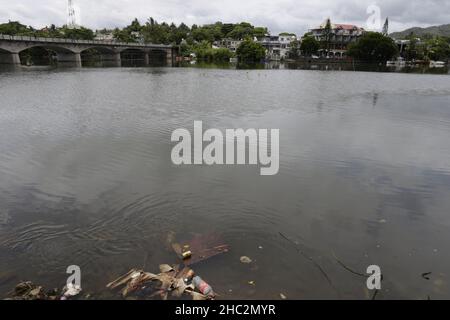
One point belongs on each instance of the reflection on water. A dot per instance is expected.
(86, 179)
(323, 66)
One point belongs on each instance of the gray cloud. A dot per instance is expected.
(281, 15)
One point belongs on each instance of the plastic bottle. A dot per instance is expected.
(203, 287)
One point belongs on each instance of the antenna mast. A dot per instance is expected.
(71, 19)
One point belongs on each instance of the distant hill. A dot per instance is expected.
(443, 30)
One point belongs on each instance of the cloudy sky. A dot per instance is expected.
(278, 15)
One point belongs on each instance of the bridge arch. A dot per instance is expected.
(100, 56)
(46, 54)
(5, 50)
(51, 47)
(158, 57)
(134, 57)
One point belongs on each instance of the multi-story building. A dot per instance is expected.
(277, 47)
(339, 37)
(228, 43)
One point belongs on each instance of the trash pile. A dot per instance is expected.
(177, 280)
(29, 291)
(170, 280)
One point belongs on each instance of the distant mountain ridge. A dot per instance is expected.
(442, 30)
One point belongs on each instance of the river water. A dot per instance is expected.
(86, 179)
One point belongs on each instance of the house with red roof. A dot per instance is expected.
(340, 36)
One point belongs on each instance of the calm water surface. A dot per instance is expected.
(86, 178)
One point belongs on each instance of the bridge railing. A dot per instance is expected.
(75, 41)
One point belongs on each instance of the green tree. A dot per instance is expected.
(245, 30)
(227, 28)
(327, 35)
(135, 26)
(185, 50)
(309, 45)
(438, 49)
(155, 32)
(80, 33)
(49, 32)
(205, 52)
(15, 28)
(260, 32)
(203, 34)
(373, 47)
(123, 35)
(241, 31)
(222, 55)
(413, 49)
(287, 34)
(250, 52)
(130, 33)
(294, 51)
(177, 34)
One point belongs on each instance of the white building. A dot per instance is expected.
(277, 47)
(138, 36)
(104, 36)
(228, 43)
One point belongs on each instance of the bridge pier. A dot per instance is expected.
(9, 58)
(146, 59)
(69, 59)
(169, 57)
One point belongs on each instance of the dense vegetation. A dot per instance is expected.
(15, 28)
(250, 51)
(373, 47)
(309, 45)
(205, 52)
(151, 31)
(437, 48)
(432, 43)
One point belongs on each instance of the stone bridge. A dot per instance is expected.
(69, 51)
